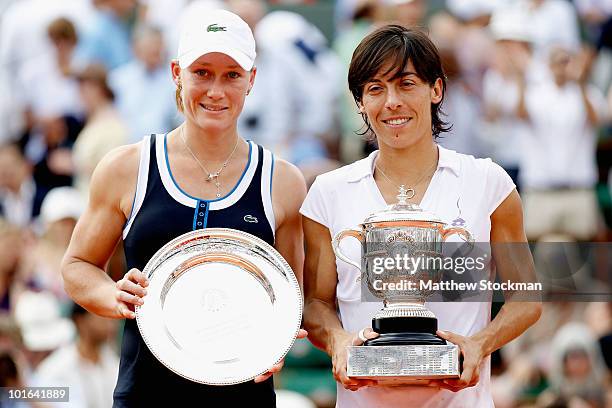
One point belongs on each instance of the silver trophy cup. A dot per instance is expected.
(407, 350)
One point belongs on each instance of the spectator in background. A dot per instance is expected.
(473, 11)
(409, 13)
(366, 14)
(512, 70)
(163, 14)
(558, 160)
(597, 21)
(598, 315)
(576, 367)
(594, 16)
(143, 87)
(50, 149)
(314, 86)
(23, 38)
(545, 17)
(104, 129)
(268, 115)
(23, 28)
(60, 211)
(345, 12)
(58, 93)
(469, 38)
(12, 361)
(54, 112)
(107, 40)
(462, 105)
(11, 248)
(87, 365)
(43, 328)
(9, 375)
(18, 199)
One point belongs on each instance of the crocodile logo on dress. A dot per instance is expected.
(250, 218)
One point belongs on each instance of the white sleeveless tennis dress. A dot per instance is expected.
(464, 191)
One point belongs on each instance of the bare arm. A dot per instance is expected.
(579, 70)
(320, 317)
(514, 262)
(96, 236)
(288, 193)
(320, 280)
(592, 116)
(521, 107)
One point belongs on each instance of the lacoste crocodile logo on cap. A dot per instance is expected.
(214, 28)
(220, 31)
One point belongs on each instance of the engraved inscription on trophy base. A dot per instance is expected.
(405, 364)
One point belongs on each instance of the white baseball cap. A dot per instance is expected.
(43, 328)
(511, 23)
(60, 203)
(218, 30)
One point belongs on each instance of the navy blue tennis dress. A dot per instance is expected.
(161, 212)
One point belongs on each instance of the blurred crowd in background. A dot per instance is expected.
(529, 85)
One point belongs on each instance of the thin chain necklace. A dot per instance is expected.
(214, 177)
(409, 192)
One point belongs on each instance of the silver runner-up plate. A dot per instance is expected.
(222, 306)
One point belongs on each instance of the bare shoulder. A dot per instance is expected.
(287, 175)
(507, 220)
(511, 209)
(288, 189)
(115, 177)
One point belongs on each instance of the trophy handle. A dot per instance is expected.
(353, 232)
(446, 233)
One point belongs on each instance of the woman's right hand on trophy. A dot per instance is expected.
(340, 355)
(129, 291)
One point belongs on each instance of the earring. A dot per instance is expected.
(179, 95)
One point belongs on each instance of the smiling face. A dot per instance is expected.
(213, 91)
(397, 104)
(397, 80)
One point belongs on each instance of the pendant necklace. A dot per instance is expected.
(210, 177)
(407, 192)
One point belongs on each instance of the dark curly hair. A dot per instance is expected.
(397, 44)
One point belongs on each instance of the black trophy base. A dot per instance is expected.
(400, 331)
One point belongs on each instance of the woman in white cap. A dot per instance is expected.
(202, 174)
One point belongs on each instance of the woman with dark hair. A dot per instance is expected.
(398, 83)
(200, 175)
